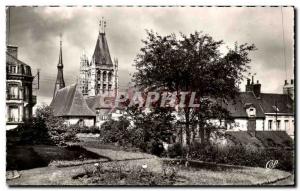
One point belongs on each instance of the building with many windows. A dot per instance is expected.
(19, 98)
(253, 110)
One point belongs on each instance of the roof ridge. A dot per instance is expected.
(68, 106)
(21, 62)
(83, 100)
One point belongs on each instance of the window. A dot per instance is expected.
(109, 77)
(104, 76)
(26, 112)
(252, 112)
(270, 125)
(286, 124)
(26, 93)
(278, 125)
(13, 69)
(13, 92)
(275, 108)
(13, 114)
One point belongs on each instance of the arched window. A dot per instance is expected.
(98, 75)
(109, 76)
(104, 76)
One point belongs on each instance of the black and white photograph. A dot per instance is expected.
(150, 96)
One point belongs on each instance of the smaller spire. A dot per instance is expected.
(60, 61)
(102, 25)
(60, 39)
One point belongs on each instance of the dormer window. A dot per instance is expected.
(251, 111)
(275, 108)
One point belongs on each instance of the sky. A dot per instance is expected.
(36, 30)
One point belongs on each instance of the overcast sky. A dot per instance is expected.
(36, 32)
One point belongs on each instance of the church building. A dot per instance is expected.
(79, 103)
(100, 75)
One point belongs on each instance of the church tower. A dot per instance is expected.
(60, 83)
(102, 71)
(84, 74)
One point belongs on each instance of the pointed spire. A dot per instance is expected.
(102, 25)
(60, 82)
(101, 54)
(60, 61)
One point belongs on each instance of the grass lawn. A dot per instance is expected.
(28, 157)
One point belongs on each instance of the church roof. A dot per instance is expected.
(70, 102)
(95, 102)
(101, 54)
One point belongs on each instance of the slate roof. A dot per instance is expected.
(263, 105)
(94, 102)
(70, 102)
(284, 103)
(101, 54)
(237, 107)
(11, 60)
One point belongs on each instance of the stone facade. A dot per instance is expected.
(19, 98)
(100, 75)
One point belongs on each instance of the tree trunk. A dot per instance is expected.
(194, 133)
(201, 129)
(187, 131)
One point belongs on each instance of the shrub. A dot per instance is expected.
(241, 155)
(45, 128)
(176, 150)
(115, 131)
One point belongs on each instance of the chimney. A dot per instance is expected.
(257, 89)
(252, 80)
(12, 50)
(248, 86)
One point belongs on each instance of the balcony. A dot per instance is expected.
(13, 97)
(14, 120)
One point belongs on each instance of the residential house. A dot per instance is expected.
(19, 96)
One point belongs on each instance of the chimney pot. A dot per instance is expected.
(248, 81)
(292, 81)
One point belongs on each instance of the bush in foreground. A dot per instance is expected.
(237, 155)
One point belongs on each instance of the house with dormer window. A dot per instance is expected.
(253, 110)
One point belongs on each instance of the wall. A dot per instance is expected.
(74, 120)
(290, 124)
(242, 124)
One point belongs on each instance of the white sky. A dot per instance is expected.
(36, 32)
